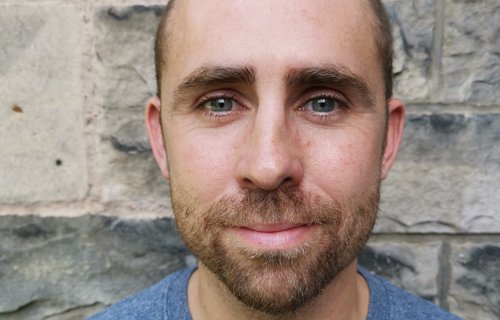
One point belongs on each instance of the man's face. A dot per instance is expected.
(274, 116)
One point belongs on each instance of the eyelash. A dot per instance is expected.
(216, 115)
(343, 104)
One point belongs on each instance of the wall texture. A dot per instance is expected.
(84, 214)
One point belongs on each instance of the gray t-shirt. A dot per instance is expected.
(167, 300)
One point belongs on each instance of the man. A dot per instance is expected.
(274, 125)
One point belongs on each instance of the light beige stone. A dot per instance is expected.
(41, 115)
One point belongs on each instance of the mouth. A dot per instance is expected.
(274, 236)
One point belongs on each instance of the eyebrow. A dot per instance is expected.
(336, 75)
(339, 76)
(208, 76)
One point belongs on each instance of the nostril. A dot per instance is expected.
(247, 183)
(267, 182)
(287, 180)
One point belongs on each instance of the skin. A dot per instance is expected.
(272, 137)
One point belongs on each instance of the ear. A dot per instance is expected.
(155, 134)
(395, 124)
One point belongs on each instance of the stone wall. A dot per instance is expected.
(84, 214)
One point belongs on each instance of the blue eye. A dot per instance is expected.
(219, 105)
(323, 105)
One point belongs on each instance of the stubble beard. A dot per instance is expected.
(281, 281)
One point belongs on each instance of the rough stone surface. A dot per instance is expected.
(413, 25)
(65, 268)
(411, 266)
(475, 288)
(124, 52)
(471, 51)
(444, 179)
(41, 104)
(129, 171)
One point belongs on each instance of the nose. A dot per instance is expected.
(269, 157)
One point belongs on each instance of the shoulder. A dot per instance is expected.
(389, 302)
(162, 301)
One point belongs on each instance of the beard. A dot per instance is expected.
(276, 282)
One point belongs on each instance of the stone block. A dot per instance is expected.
(129, 172)
(413, 26)
(475, 287)
(471, 52)
(124, 53)
(41, 104)
(446, 178)
(67, 268)
(124, 62)
(411, 266)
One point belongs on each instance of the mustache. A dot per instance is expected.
(284, 205)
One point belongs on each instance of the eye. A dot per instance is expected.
(322, 104)
(219, 105)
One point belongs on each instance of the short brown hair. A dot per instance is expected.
(382, 33)
(160, 42)
(384, 42)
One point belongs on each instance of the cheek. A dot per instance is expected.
(201, 163)
(346, 164)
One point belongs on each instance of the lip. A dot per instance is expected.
(274, 236)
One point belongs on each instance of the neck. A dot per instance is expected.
(346, 297)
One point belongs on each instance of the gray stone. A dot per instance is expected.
(413, 25)
(124, 52)
(41, 114)
(65, 268)
(411, 266)
(446, 178)
(124, 55)
(129, 172)
(475, 288)
(131, 138)
(471, 51)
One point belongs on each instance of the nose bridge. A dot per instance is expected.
(268, 135)
(269, 157)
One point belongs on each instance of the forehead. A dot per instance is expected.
(271, 34)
